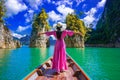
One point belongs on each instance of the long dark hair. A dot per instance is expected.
(59, 32)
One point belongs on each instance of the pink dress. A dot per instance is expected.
(59, 57)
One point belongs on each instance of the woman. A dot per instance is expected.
(59, 57)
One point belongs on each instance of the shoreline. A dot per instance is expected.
(110, 45)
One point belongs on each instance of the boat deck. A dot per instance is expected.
(44, 72)
(49, 75)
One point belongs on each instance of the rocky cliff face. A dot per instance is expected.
(74, 41)
(38, 41)
(110, 21)
(6, 39)
(108, 27)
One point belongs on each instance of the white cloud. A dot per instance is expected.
(27, 20)
(89, 19)
(25, 15)
(34, 3)
(53, 2)
(53, 37)
(14, 7)
(90, 16)
(31, 11)
(79, 1)
(48, 1)
(101, 3)
(17, 35)
(54, 17)
(29, 15)
(67, 2)
(91, 12)
(63, 2)
(64, 10)
(21, 28)
(84, 6)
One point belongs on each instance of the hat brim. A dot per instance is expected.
(62, 24)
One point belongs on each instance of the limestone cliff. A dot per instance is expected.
(40, 24)
(74, 41)
(6, 39)
(108, 27)
(38, 40)
(75, 24)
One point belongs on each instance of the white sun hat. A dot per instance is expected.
(58, 24)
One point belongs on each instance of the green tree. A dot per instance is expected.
(75, 24)
(2, 10)
(40, 21)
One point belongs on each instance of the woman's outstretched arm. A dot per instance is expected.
(47, 33)
(40, 33)
(78, 33)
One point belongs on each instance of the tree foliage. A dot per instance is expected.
(40, 21)
(108, 27)
(2, 10)
(75, 24)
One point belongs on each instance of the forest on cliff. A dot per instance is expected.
(107, 29)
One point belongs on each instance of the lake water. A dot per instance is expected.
(98, 63)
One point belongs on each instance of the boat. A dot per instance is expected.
(44, 72)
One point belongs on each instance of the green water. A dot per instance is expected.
(98, 63)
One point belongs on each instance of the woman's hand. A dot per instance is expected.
(79, 33)
(39, 33)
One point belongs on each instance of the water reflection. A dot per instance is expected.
(93, 62)
(88, 59)
(51, 50)
(37, 53)
(4, 52)
(4, 62)
(98, 63)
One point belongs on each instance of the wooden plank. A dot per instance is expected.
(45, 72)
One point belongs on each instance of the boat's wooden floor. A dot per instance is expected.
(49, 75)
(45, 72)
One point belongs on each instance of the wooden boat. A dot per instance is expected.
(44, 72)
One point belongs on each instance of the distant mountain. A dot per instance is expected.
(25, 40)
(6, 39)
(15, 38)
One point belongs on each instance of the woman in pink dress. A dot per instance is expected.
(59, 57)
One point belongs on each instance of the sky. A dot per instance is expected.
(19, 14)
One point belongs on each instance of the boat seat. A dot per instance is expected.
(43, 67)
(51, 59)
(47, 64)
(39, 72)
(79, 75)
(69, 60)
(71, 64)
(74, 67)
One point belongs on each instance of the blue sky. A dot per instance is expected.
(20, 13)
